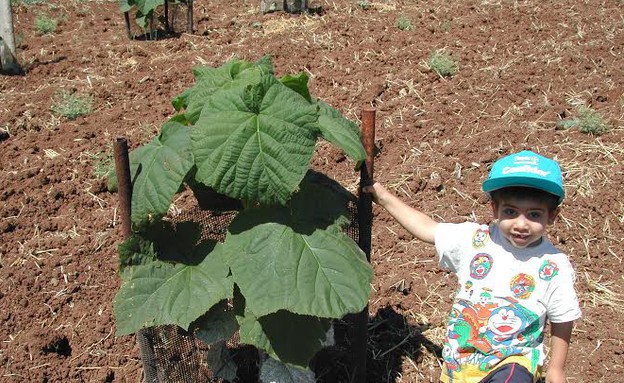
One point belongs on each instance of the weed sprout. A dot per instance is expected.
(442, 63)
(45, 24)
(71, 105)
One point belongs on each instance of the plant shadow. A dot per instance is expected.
(391, 340)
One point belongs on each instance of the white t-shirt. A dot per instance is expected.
(504, 297)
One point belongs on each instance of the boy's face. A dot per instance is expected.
(523, 221)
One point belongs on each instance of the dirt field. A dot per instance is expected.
(525, 72)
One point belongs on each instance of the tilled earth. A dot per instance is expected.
(526, 73)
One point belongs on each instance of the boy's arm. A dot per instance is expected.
(559, 343)
(417, 223)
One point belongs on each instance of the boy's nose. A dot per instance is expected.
(522, 221)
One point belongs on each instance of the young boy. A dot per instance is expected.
(511, 278)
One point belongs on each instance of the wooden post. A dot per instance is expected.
(8, 60)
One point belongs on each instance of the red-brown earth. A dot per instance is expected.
(523, 68)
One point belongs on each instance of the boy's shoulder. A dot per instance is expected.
(462, 231)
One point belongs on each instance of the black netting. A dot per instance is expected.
(170, 354)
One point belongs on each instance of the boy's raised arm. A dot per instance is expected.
(417, 223)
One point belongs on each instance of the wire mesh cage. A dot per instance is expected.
(166, 19)
(170, 354)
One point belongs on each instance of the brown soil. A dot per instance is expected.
(523, 66)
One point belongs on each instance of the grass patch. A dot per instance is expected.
(71, 105)
(45, 24)
(442, 63)
(103, 164)
(403, 23)
(589, 121)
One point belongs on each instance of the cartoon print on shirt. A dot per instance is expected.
(496, 327)
(548, 270)
(480, 238)
(480, 266)
(459, 331)
(468, 287)
(483, 308)
(511, 326)
(522, 285)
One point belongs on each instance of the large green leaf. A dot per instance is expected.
(296, 258)
(126, 5)
(255, 143)
(148, 6)
(217, 325)
(298, 83)
(220, 361)
(163, 293)
(163, 165)
(287, 337)
(162, 240)
(234, 73)
(135, 251)
(275, 371)
(340, 131)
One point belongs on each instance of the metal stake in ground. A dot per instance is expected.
(359, 322)
(124, 184)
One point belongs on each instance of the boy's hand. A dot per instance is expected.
(375, 190)
(555, 375)
(369, 189)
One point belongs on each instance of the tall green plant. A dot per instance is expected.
(285, 266)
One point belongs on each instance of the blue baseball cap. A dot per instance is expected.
(526, 169)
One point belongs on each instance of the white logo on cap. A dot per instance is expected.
(525, 169)
(530, 160)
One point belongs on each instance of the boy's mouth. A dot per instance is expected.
(518, 240)
(522, 240)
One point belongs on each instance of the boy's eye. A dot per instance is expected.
(509, 211)
(535, 215)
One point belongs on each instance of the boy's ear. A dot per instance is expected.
(494, 207)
